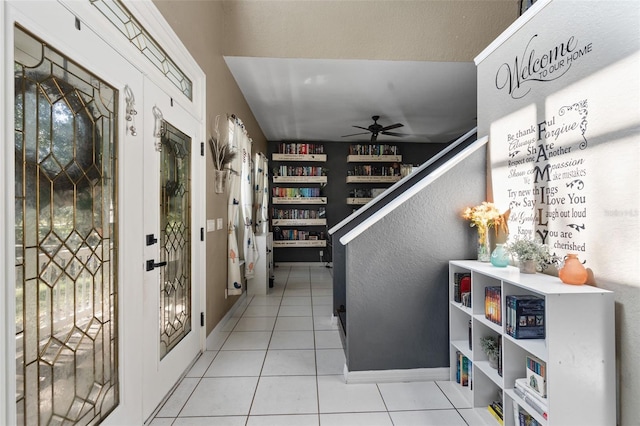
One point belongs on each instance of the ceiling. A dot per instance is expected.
(322, 99)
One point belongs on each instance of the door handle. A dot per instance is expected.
(151, 265)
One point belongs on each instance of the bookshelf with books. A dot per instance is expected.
(554, 337)
(385, 167)
(298, 216)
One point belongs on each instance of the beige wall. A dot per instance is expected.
(414, 30)
(199, 25)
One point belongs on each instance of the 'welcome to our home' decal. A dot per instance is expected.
(539, 64)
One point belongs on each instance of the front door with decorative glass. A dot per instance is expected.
(101, 334)
(171, 336)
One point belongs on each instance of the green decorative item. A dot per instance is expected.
(491, 347)
(532, 254)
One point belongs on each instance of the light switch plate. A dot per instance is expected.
(211, 225)
(219, 223)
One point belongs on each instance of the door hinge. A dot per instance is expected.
(201, 234)
(202, 149)
(201, 319)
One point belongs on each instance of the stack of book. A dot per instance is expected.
(495, 408)
(531, 397)
(525, 317)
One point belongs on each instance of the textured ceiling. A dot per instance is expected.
(322, 99)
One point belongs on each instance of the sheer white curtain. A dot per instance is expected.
(261, 193)
(240, 210)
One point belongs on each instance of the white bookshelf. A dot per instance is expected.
(299, 157)
(578, 348)
(299, 179)
(299, 243)
(299, 222)
(374, 158)
(299, 200)
(373, 179)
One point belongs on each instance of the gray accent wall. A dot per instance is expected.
(396, 273)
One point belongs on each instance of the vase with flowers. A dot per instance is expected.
(484, 217)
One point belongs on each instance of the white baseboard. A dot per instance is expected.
(393, 376)
(216, 338)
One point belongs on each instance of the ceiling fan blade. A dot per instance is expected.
(395, 134)
(356, 134)
(392, 126)
(363, 128)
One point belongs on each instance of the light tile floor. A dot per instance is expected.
(282, 365)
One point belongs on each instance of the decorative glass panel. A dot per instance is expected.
(175, 241)
(66, 287)
(124, 21)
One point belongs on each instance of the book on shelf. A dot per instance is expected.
(495, 414)
(523, 418)
(525, 317)
(464, 374)
(461, 286)
(463, 369)
(537, 375)
(492, 304)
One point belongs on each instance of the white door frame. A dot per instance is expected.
(151, 19)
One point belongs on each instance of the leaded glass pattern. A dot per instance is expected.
(66, 286)
(129, 26)
(175, 242)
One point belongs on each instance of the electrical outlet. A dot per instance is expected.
(321, 253)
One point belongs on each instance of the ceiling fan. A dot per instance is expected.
(376, 129)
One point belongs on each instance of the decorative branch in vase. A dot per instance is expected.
(223, 154)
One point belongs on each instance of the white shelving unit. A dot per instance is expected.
(299, 222)
(299, 157)
(358, 201)
(374, 158)
(578, 348)
(299, 200)
(373, 179)
(299, 179)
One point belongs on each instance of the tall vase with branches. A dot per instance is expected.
(223, 154)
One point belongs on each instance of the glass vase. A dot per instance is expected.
(499, 256)
(484, 249)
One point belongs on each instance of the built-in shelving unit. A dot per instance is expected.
(577, 348)
(294, 167)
